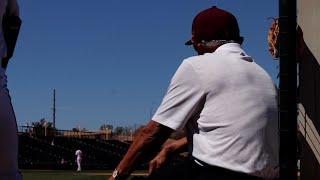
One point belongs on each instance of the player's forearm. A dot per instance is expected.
(150, 137)
(177, 146)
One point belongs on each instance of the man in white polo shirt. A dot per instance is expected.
(8, 126)
(227, 103)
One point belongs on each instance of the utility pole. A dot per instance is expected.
(54, 108)
(288, 89)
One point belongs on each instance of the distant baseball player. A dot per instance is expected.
(79, 159)
(226, 102)
(10, 24)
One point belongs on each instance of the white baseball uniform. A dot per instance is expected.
(79, 158)
(8, 129)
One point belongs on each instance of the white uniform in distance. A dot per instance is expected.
(8, 128)
(79, 158)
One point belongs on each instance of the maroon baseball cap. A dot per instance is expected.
(214, 24)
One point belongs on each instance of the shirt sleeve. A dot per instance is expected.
(183, 97)
(13, 7)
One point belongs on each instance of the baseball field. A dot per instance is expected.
(70, 175)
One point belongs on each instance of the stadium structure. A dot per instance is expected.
(41, 148)
(56, 149)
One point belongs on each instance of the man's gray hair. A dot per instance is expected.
(214, 43)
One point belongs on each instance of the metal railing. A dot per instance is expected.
(309, 132)
(49, 131)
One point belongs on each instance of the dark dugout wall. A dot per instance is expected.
(308, 12)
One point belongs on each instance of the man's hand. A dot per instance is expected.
(159, 160)
(148, 139)
(174, 147)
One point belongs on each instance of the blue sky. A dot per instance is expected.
(111, 60)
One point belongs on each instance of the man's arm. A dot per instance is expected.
(177, 146)
(181, 102)
(150, 137)
(174, 147)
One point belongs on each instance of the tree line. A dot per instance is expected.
(44, 127)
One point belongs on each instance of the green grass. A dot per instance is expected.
(64, 175)
(68, 175)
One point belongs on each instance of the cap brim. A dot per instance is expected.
(188, 43)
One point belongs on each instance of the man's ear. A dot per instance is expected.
(199, 47)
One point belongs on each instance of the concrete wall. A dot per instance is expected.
(309, 89)
(308, 19)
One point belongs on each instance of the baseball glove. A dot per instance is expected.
(273, 39)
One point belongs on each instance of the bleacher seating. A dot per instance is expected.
(58, 152)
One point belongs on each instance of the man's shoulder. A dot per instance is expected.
(201, 61)
(192, 60)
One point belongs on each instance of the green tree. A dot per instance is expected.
(118, 130)
(43, 127)
(106, 126)
(75, 130)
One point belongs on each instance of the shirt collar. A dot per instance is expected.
(234, 48)
(229, 47)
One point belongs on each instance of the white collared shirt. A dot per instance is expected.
(229, 105)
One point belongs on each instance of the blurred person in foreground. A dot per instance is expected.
(227, 103)
(10, 24)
